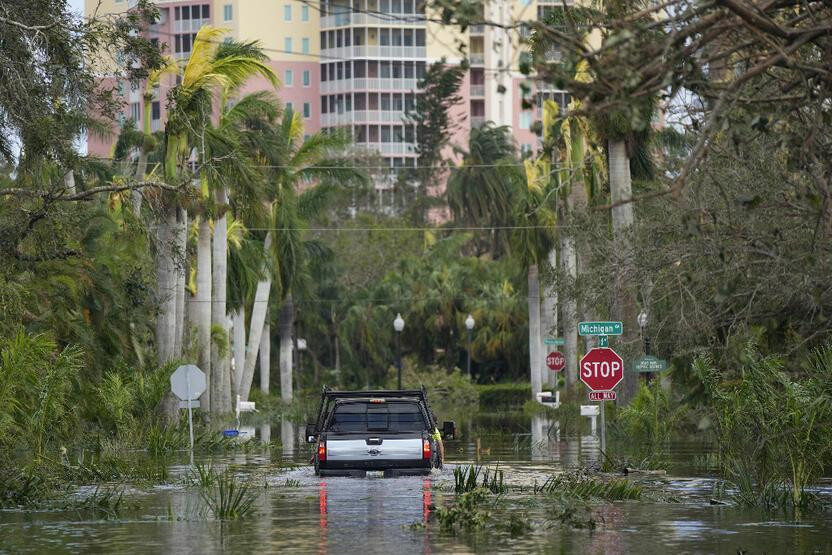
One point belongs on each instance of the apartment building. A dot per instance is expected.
(355, 64)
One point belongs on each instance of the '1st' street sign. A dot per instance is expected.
(600, 328)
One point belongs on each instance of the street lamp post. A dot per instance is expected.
(469, 325)
(645, 343)
(398, 325)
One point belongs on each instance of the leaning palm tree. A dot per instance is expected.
(303, 172)
(214, 69)
(531, 243)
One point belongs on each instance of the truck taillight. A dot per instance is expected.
(425, 449)
(321, 450)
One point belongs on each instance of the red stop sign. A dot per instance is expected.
(556, 361)
(601, 369)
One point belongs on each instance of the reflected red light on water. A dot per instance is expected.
(427, 500)
(322, 503)
(322, 540)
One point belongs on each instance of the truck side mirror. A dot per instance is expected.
(448, 429)
(310, 433)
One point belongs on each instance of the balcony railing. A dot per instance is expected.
(477, 90)
(370, 84)
(351, 18)
(362, 116)
(476, 58)
(390, 148)
(477, 121)
(368, 51)
(189, 25)
(477, 29)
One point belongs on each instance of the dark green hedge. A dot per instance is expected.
(504, 395)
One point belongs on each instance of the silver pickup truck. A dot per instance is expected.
(393, 431)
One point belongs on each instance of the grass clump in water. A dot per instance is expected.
(228, 498)
(582, 487)
(466, 479)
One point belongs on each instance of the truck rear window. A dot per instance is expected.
(385, 417)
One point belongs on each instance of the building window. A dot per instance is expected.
(304, 13)
(226, 12)
(307, 110)
(525, 119)
(287, 12)
(304, 45)
(136, 111)
(288, 78)
(307, 79)
(289, 107)
(156, 110)
(287, 44)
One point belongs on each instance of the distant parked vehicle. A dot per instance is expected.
(392, 431)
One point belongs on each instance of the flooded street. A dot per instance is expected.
(299, 512)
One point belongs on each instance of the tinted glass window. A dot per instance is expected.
(383, 417)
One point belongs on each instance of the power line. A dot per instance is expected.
(438, 229)
(397, 168)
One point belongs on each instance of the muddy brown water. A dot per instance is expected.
(297, 512)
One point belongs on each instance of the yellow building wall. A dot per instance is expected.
(263, 20)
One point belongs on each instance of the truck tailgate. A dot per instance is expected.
(386, 449)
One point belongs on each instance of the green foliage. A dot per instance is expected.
(774, 433)
(649, 416)
(467, 514)
(500, 396)
(446, 390)
(36, 381)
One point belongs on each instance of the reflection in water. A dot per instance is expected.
(322, 547)
(377, 515)
(545, 439)
(265, 432)
(287, 436)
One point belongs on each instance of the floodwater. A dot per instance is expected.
(299, 512)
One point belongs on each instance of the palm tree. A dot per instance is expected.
(532, 241)
(303, 173)
(482, 189)
(213, 67)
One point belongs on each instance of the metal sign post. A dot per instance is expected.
(188, 383)
(191, 417)
(601, 369)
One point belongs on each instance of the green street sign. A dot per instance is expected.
(649, 363)
(554, 341)
(600, 328)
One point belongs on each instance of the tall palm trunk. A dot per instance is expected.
(285, 326)
(549, 315)
(238, 319)
(165, 285)
(221, 384)
(534, 330)
(202, 305)
(265, 358)
(622, 223)
(570, 310)
(258, 320)
(181, 270)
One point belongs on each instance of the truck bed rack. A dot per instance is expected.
(331, 395)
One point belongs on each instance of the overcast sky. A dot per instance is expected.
(77, 5)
